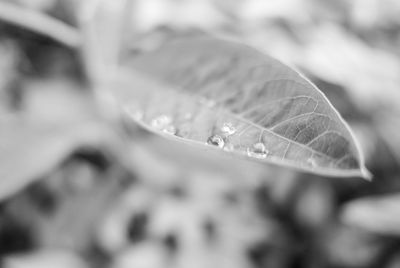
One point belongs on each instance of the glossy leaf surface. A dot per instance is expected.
(233, 98)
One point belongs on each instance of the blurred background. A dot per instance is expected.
(101, 194)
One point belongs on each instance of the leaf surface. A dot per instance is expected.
(234, 98)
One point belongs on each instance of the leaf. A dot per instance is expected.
(57, 120)
(377, 214)
(45, 258)
(38, 22)
(206, 91)
(365, 73)
(28, 150)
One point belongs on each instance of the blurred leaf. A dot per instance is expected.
(38, 22)
(145, 255)
(204, 91)
(178, 14)
(9, 57)
(377, 214)
(73, 224)
(351, 247)
(58, 118)
(394, 261)
(388, 129)
(45, 259)
(315, 205)
(29, 150)
(253, 10)
(337, 56)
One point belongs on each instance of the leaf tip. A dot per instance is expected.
(366, 174)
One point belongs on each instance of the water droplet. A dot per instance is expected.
(258, 150)
(216, 140)
(170, 130)
(161, 121)
(228, 129)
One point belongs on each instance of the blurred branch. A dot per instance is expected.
(40, 23)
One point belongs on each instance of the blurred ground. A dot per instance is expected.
(113, 201)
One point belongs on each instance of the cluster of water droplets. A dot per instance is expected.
(164, 124)
(228, 129)
(221, 140)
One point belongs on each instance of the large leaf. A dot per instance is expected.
(231, 97)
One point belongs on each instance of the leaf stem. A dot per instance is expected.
(40, 23)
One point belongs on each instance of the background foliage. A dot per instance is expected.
(105, 200)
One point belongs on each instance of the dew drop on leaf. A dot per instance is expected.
(160, 122)
(228, 129)
(216, 140)
(258, 150)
